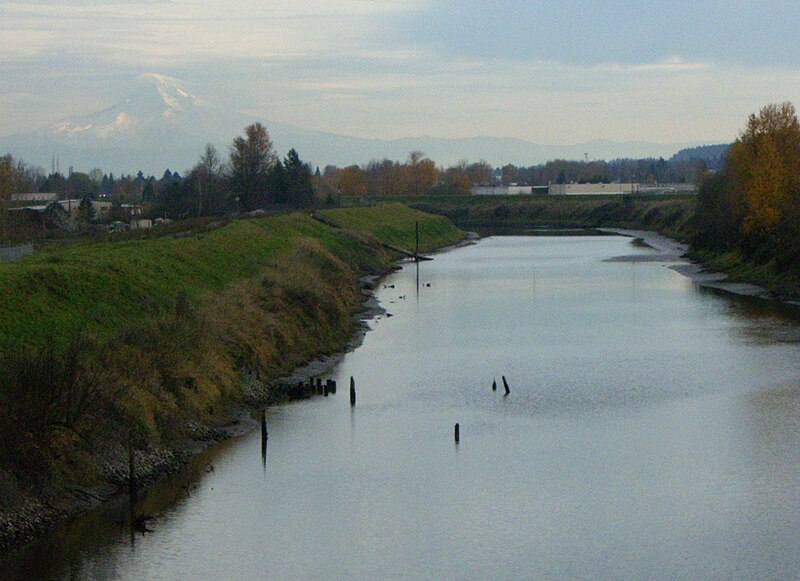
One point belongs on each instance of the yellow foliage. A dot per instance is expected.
(351, 181)
(765, 166)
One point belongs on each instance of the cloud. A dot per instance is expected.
(166, 32)
(585, 32)
(549, 71)
(674, 64)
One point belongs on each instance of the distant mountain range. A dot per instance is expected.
(713, 154)
(161, 126)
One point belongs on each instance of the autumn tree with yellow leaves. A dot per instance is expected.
(764, 164)
(753, 204)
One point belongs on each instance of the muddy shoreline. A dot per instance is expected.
(669, 250)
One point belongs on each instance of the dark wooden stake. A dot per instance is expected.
(352, 392)
(264, 437)
(416, 248)
(132, 488)
(456, 433)
(494, 385)
(505, 385)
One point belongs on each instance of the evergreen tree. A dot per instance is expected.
(86, 211)
(252, 158)
(299, 187)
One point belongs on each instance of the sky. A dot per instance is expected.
(549, 71)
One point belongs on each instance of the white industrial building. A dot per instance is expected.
(592, 189)
(498, 190)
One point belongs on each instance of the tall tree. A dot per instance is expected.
(252, 157)
(764, 164)
(6, 189)
(206, 178)
(420, 173)
(351, 181)
(299, 187)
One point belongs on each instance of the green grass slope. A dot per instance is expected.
(103, 339)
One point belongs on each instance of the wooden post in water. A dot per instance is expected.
(132, 487)
(494, 385)
(332, 387)
(456, 433)
(352, 392)
(416, 248)
(505, 385)
(264, 437)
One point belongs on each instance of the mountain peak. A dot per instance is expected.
(173, 96)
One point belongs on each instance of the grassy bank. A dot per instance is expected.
(147, 337)
(783, 284)
(670, 215)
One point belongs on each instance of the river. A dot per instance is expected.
(652, 432)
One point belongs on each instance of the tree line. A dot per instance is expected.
(753, 205)
(420, 175)
(252, 177)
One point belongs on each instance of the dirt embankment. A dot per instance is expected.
(165, 342)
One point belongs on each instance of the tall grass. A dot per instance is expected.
(105, 338)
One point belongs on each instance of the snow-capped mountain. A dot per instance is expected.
(160, 125)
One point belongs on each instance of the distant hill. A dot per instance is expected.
(161, 126)
(714, 155)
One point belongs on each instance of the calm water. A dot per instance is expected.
(652, 432)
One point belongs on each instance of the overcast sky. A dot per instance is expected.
(550, 71)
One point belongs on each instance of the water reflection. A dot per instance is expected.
(763, 322)
(771, 418)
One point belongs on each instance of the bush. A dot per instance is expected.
(47, 394)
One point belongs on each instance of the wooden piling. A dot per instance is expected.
(457, 433)
(264, 434)
(416, 247)
(352, 392)
(505, 385)
(494, 385)
(132, 484)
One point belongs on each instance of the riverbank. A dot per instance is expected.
(669, 214)
(672, 251)
(672, 216)
(167, 341)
